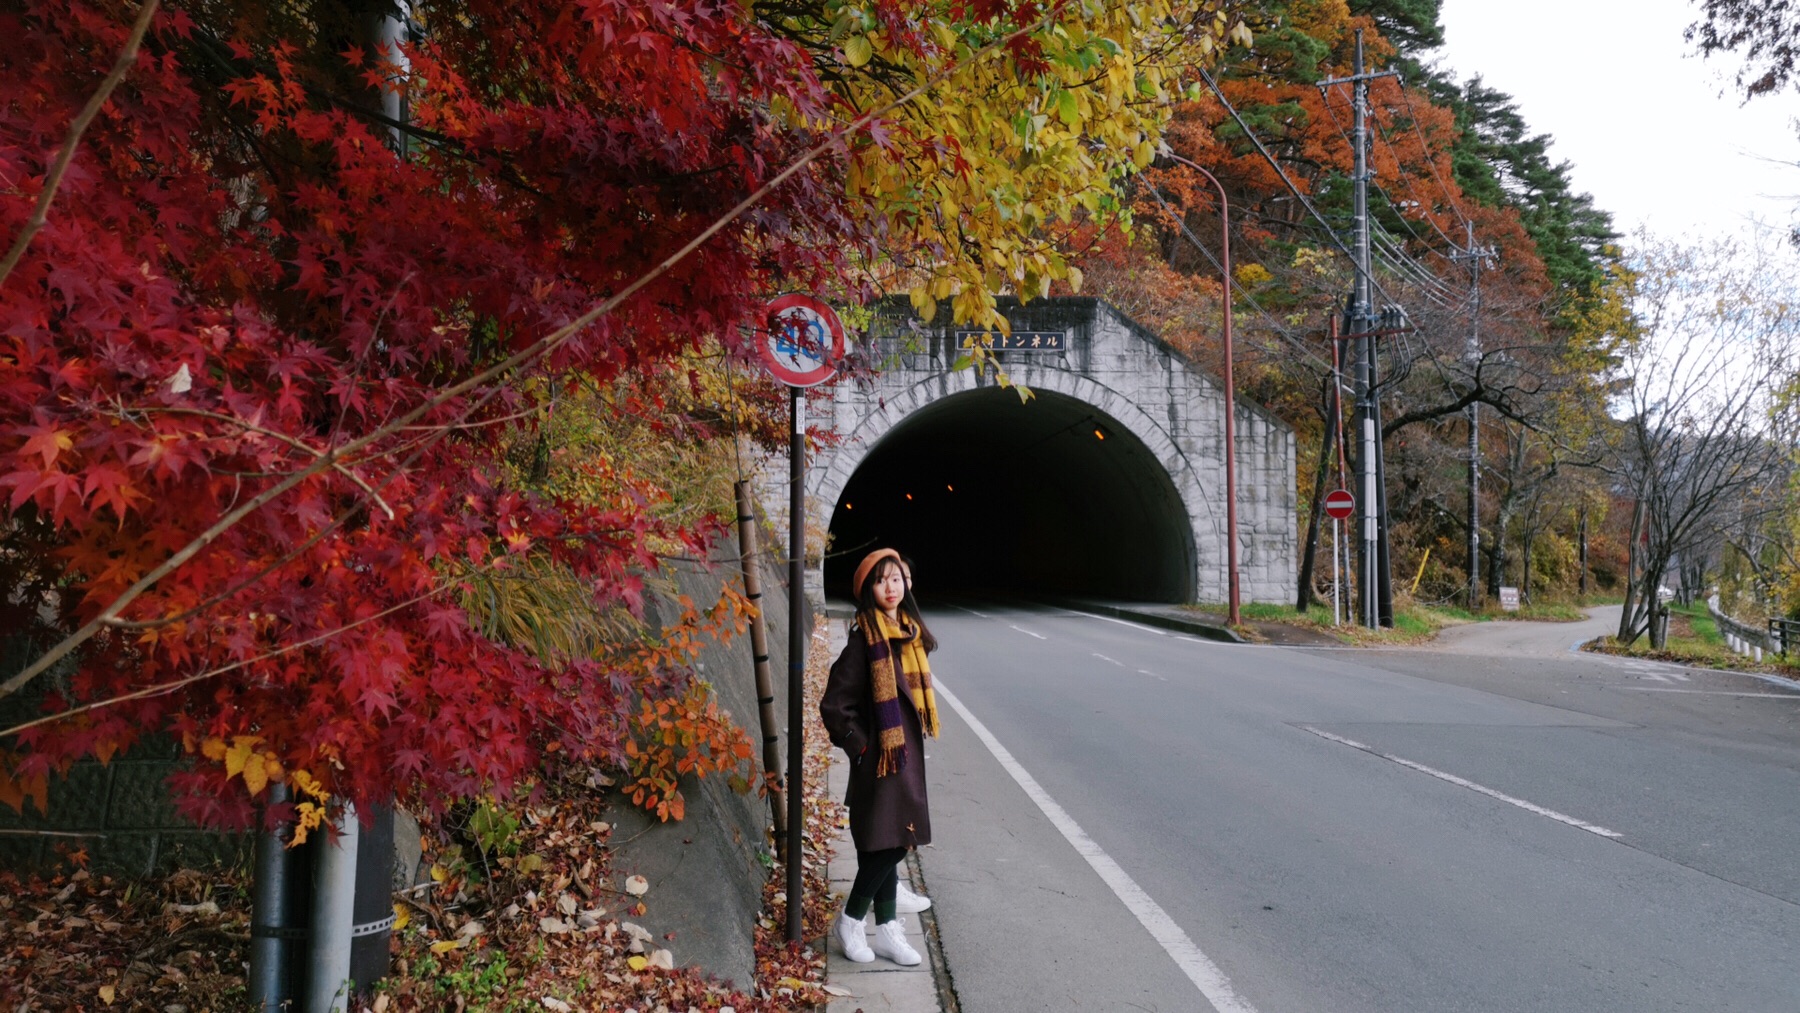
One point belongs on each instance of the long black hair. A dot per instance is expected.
(909, 606)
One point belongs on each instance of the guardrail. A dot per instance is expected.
(1744, 638)
(1784, 635)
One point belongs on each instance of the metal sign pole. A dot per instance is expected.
(800, 345)
(796, 821)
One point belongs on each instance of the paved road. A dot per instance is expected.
(1204, 822)
(1504, 638)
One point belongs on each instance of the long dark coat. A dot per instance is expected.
(885, 812)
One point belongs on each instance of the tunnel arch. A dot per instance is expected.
(1115, 505)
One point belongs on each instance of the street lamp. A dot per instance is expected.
(1231, 536)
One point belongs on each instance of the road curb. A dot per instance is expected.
(1168, 622)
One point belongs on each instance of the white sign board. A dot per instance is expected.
(1509, 599)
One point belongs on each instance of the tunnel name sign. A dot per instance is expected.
(802, 340)
(1017, 341)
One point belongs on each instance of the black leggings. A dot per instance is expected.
(877, 881)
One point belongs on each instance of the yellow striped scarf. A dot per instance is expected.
(886, 639)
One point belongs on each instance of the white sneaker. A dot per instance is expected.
(890, 942)
(849, 933)
(909, 903)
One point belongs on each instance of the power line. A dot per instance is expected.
(1294, 189)
(1449, 197)
(1395, 256)
(1394, 149)
(1396, 252)
(1280, 328)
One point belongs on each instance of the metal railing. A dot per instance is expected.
(1783, 633)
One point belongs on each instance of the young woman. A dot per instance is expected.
(878, 706)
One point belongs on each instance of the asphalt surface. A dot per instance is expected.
(1454, 855)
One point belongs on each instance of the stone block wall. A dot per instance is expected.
(118, 812)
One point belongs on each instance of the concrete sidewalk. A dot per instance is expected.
(881, 986)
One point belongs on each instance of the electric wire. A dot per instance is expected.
(1280, 329)
(1450, 198)
(1382, 133)
(1395, 251)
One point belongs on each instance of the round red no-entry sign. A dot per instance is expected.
(803, 341)
(1339, 504)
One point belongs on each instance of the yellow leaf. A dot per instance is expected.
(213, 749)
(444, 946)
(858, 50)
(256, 775)
(637, 963)
(108, 994)
(402, 917)
(439, 874)
(242, 748)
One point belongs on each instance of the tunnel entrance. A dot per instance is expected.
(989, 495)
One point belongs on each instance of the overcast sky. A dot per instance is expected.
(1642, 121)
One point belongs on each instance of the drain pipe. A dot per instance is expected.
(272, 918)
(333, 912)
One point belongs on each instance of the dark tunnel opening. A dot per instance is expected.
(993, 496)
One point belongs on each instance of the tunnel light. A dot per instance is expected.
(1099, 434)
(848, 507)
(909, 495)
(950, 487)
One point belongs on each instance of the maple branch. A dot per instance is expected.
(53, 180)
(169, 687)
(299, 550)
(336, 465)
(536, 350)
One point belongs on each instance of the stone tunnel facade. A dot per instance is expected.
(1122, 371)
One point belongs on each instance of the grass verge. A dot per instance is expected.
(1694, 639)
(1413, 624)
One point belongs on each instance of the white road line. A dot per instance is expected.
(1103, 657)
(1678, 677)
(1471, 785)
(1153, 675)
(1121, 622)
(1199, 968)
(1658, 676)
(1709, 692)
(1027, 632)
(971, 611)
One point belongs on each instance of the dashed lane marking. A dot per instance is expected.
(1471, 785)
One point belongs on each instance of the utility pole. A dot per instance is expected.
(1477, 258)
(1376, 583)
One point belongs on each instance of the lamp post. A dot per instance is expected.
(1231, 535)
